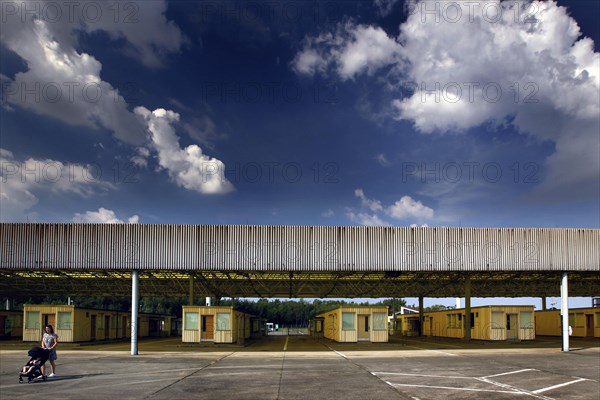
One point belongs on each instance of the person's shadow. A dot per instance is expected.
(68, 377)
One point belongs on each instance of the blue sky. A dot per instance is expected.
(382, 112)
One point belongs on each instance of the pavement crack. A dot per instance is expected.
(281, 371)
(388, 385)
(188, 375)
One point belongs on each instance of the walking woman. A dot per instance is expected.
(50, 341)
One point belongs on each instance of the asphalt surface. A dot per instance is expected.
(299, 367)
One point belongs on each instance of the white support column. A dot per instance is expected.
(564, 310)
(134, 311)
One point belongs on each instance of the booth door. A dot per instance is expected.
(124, 327)
(363, 327)
(106, 327)
(93, 327)
(512, 326)
(589, 325)
(208, 327)
(48, 319)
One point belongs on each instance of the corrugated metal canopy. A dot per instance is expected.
(296, 261)
(296, 248)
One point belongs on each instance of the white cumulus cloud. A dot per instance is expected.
(139, 27)
(538, 73)
(102, 216)
(465, 64)
(66, 85)
(188, 167)
(351, 50)
(23, 181)
(373, 205)
(407, 207)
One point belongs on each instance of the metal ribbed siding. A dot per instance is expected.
(297, 248)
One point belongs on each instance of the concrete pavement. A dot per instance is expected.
(298, 367)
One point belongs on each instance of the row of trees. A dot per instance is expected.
(282, 312)
(299, 312)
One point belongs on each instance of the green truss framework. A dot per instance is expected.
(24, 283)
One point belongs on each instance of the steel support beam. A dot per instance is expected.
(564, 310)
(421, 304)
(191, 294)
(135, 277)
(467, 320)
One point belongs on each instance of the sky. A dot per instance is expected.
(293, 112)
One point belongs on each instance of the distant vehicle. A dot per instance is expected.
(270, 327)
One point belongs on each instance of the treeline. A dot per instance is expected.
(299, 312)
(282, 312)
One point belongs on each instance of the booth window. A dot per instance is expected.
(579, 320)
(379, 321)
(497, 317)
(453, 320)
(526, 321)
(64, 320)
(223, 322)
(32, 320)
(319, 326)
(348, 321)
(191, 321)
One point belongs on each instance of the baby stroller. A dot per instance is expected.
(33, 369)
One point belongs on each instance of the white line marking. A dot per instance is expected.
(423, 375)
(340, 354)
(454, 388)
(516, 389)
(439, 344)
(268, 366)
(559, 385)
(508, 373)
(435, 351)
(286, 343)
